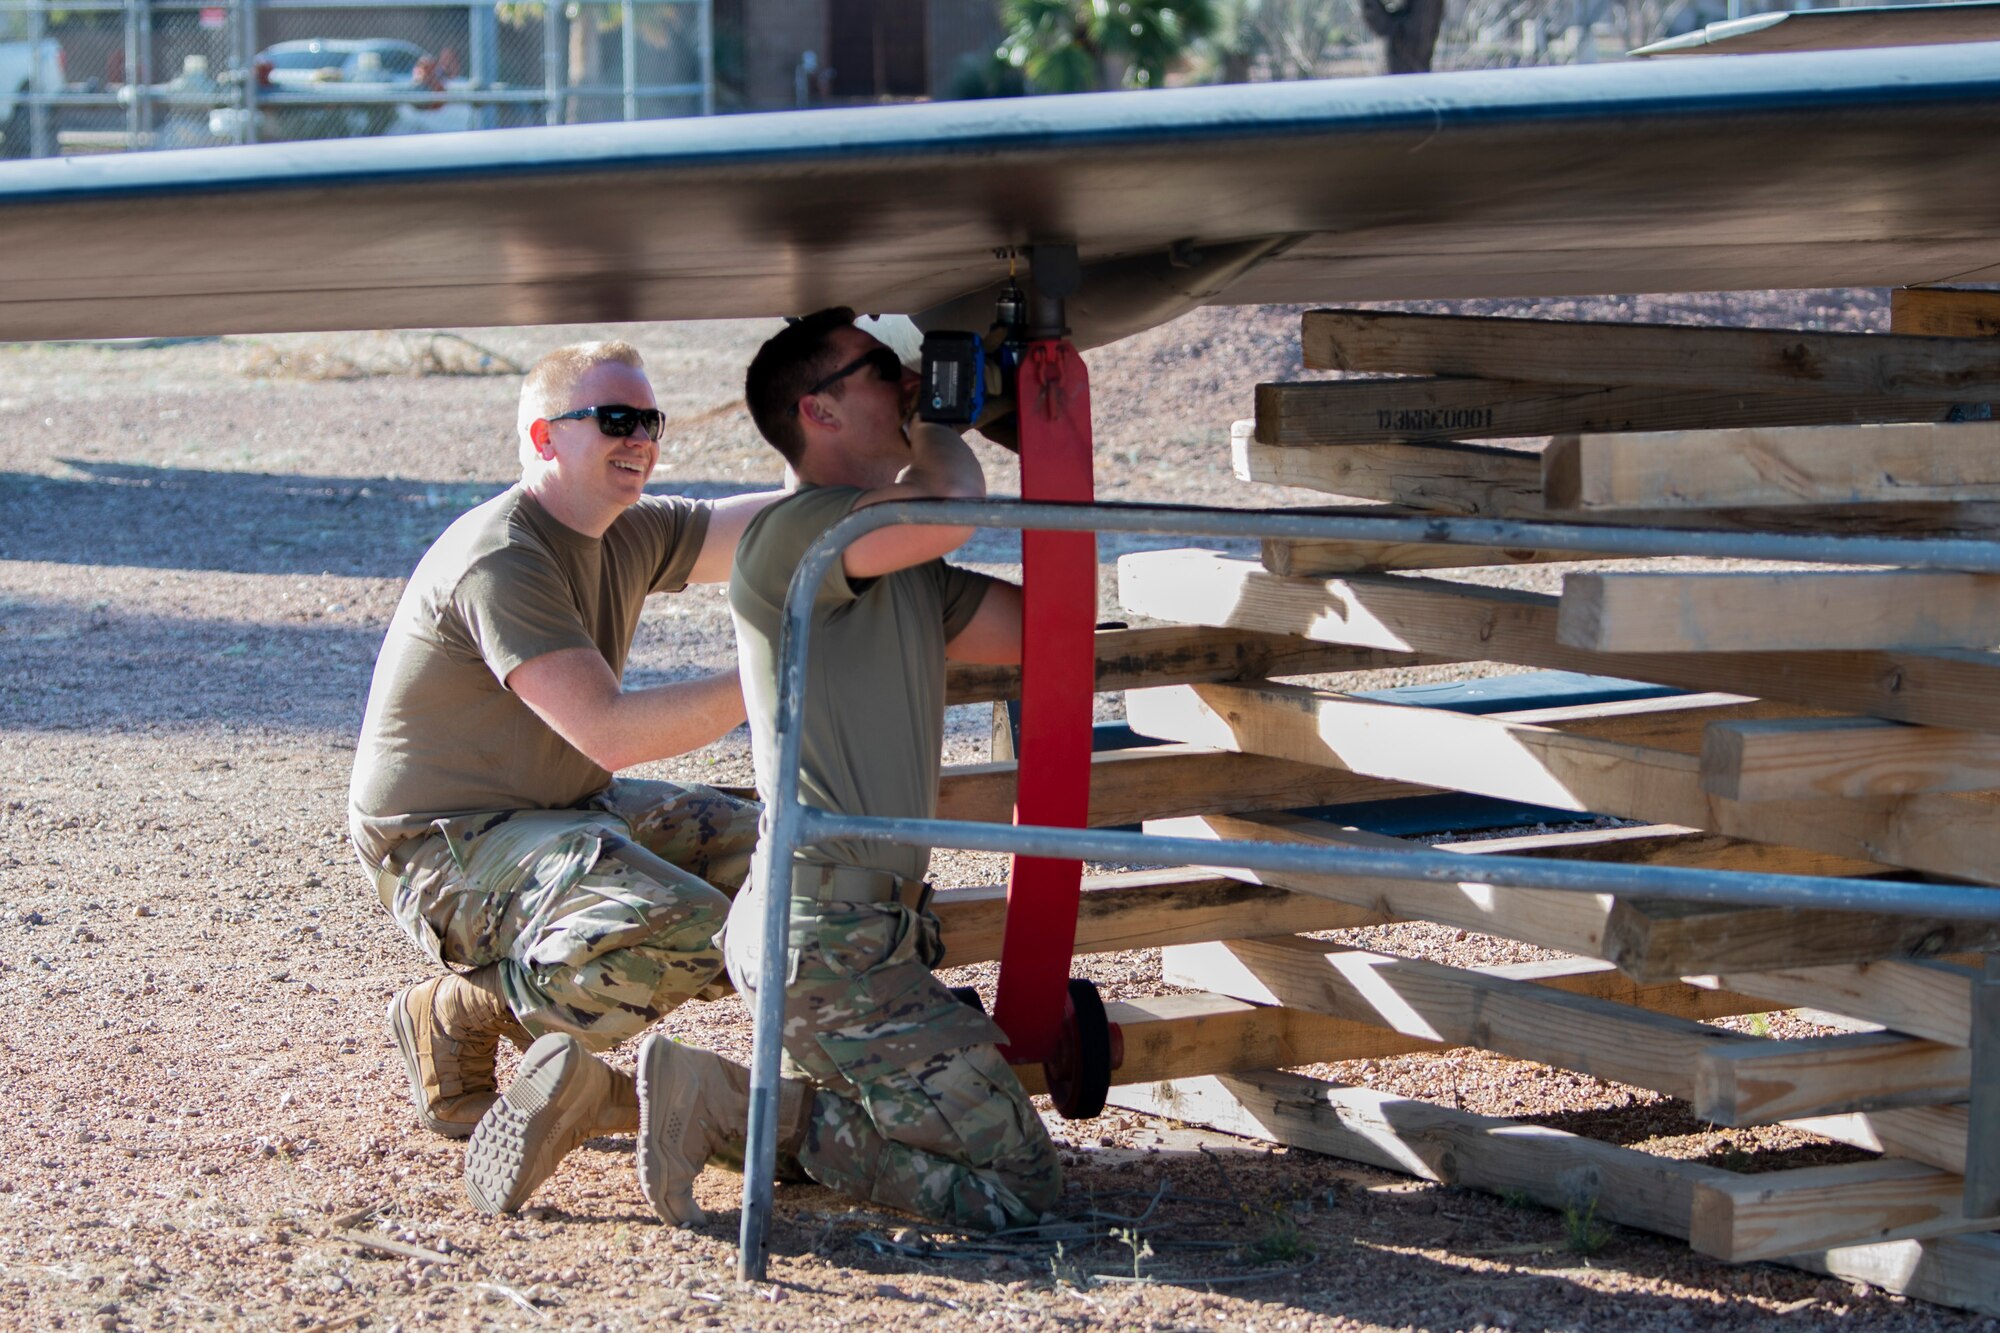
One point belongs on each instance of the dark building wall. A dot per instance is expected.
(960, 28)
(774, 34)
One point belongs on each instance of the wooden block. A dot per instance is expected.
(1430, 1142)
(1647, 939)
(1167, 653)
(1572, 765)
(1729, 1079)
(1958, 1271)
(1745, 1218)
(1466, 623)
(1144, 909)
(1655, 938)
(1126, 786)
(1933, 1135)
(1738, 611)
(1674, 996)
(1489, 482)
(1751, 1083)
(1212, 1034)
(1752, 467)
(1949, 312)
(1557, 1170)
(1410, 410)
(1321, 558)
(1663, 845)
(1571, 922)
(1282, 555)
(1727, 360)
(1472, 479)
(1802, 758)
(1563, 1026)
(1929, 999)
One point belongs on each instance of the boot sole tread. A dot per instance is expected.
(502, 1166)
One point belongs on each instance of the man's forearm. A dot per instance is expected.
(662, 721)
(943, 464)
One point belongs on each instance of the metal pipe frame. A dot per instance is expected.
(793, 825)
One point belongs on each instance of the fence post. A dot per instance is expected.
(482, 40)
(551, 65)
(38, 111)
(705, 37)
(628, 50)
(246, 36)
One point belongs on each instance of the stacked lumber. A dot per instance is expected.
(1815, 721)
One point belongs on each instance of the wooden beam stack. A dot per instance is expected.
(1832, 722)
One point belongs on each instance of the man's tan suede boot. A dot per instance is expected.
(447, 1029)
(562, 1095)
(694, 1105)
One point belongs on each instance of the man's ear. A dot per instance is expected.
(814, 410)
(538, 435)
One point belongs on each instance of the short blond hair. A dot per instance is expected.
(551, 381)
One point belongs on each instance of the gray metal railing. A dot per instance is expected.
(793, 825)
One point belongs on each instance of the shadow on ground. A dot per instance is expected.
(240, 522)
(286, 523)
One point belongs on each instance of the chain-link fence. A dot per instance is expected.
(83, 76)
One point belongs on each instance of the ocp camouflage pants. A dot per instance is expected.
(916, 1109)
(585, 943)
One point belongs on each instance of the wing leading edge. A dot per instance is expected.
(1866, 168)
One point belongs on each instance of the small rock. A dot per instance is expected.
(33, 919)
(143, 909)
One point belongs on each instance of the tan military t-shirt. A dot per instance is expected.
(874, 709)
(506, 583)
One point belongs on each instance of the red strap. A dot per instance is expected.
(1058, 681)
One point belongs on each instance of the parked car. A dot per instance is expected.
(333, 88)
(26, 65)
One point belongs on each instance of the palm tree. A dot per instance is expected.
(1077, 46)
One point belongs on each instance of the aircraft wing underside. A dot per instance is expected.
(1824, 169)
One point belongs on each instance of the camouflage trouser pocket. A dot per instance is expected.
(866, 972)
(585, 943)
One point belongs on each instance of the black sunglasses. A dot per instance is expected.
(888, 368)
(619, 420)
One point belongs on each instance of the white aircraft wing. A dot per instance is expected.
(1826, 169)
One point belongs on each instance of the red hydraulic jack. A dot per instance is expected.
(1050, 1017)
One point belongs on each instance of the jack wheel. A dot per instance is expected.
(1089, 1047)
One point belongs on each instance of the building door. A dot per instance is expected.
(877, 48)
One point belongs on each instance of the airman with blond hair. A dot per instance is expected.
(562, 907)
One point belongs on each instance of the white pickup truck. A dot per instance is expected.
(25, 64)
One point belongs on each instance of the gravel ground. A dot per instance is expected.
(200, 546)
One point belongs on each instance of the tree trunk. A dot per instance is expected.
(1409, 32)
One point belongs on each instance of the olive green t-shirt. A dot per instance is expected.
(506, 583)
(874, 710)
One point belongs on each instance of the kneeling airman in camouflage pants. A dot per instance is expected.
(579, 941)
(906, 1100)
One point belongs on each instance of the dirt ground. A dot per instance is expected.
(205, 1123)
